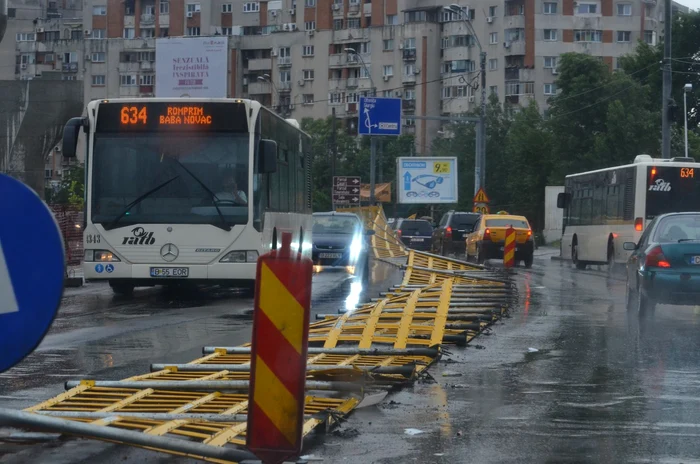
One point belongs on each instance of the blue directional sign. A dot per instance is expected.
(379, 116)
(32, 266)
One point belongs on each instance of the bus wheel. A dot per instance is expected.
(122, 288)
(574, 257)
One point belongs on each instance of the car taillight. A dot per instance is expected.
(529, 233)
(639, 224)
(487, 233)
(448, 232)
(398, 232)
(656, 258)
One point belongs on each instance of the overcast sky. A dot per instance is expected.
(692, 4)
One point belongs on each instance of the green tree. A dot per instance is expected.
(71, 190)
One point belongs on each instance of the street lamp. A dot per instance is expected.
(480, 158)
(687, 88)
(372, 139)
(266, 78)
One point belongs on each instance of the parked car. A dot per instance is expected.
(339, 239)
(415, 233)
(664, 267)
(488, 238)
(449, 236)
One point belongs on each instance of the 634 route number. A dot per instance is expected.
(92, 238)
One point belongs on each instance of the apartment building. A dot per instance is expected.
(310, 58)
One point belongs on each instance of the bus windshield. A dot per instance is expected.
(156, 178)
(672, 189)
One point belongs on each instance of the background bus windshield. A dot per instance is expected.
(672, 189)
(170, 178)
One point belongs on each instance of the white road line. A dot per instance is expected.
(9, 300)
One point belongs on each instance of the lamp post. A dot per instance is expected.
(267, 78)
(372, 139)
(687, 88)
(480, 158)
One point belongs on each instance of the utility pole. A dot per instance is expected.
(334, 144)
(481, 167)
(666, 93)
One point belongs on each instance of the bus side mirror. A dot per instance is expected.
(267, 156)
(562, 200)
(70, 137)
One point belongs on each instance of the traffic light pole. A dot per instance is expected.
(666, 93)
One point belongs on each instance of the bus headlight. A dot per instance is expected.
(250, 256)
(355, 249)
(102, 256)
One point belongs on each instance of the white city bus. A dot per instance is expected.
(605, 208)
(176, 189)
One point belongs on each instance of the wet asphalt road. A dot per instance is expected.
(571, 376)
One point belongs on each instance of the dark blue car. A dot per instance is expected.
(340, 240)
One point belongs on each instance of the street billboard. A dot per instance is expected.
(427, 180)
(191, 67)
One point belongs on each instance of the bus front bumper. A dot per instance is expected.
(142, 273)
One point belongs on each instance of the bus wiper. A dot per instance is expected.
(213, 196)
(138, 200)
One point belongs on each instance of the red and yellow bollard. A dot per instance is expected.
(509, 248)
(278, 354)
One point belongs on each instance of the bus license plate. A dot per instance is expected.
(695, 260)
(330, 255)
(170, 272)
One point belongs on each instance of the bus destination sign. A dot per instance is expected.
(159, 116)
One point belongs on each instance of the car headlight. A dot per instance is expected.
(102, 256)
(240, 256)
(356, 248)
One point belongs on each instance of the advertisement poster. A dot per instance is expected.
(191, 67)
(427, 180)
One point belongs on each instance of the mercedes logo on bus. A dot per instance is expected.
(169, 252)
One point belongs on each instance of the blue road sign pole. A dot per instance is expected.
(32, 265)
(372, 169)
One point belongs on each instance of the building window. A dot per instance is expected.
(364, 73)
(388, 45)
(129, 33)
(353, 23)
(127, 80)
(98, 80)
(587, 8)
(550, 89)
(70, 57)
(409, 69)
(99, 57)
(514, 35)
(388, 70)
(551, 35)
(164, 31)
(337, 24)
(493, 64)
(100, 10)
(447, 92)
(194, 7)
(492, 11)
(146, 79)
(148, 32)
(308, 74)
(226, 31)
(624, 9)
(410, 43)
(649, 37)
(588, 35)
(192, 31)
(251, 7)
(623, 36)
(98, 34)
(307, 50)
(310, 26)
(392, 20)
(27, 58)
(335, 98)
(307, 99)
(48, 58)
(309, 3)
(164, 6)
(550, 62)
(226, 8)
(26, 37)
(493, 38)
(457, 66)
(493, 90)
(550, 8)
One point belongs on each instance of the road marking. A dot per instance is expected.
(10, 304)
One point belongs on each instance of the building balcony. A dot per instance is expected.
(457, 105)
(409, 54)
(408, 130)
(408, 105)
(514, 48)
(147, 89)
(146, 66)
(354, 8)
(284, 61)
(284, 86)
(259, 88)
(69, 67)
(336, 84)
(344, 60)
(352, 82)
(409, 79)
(512, 22)
(355, 35)
(351, 108)
(260, 64)
(148, 18)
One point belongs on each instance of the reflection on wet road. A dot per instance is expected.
(571, 377)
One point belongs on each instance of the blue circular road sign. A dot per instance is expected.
(32, 266)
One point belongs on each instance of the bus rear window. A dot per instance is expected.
(515, 223)
(672, 189)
